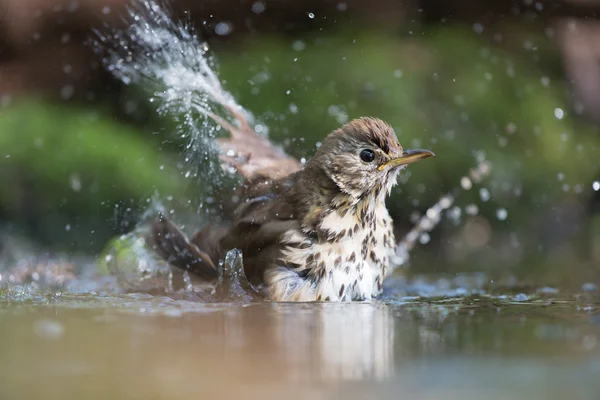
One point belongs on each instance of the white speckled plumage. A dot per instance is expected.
(350, 267)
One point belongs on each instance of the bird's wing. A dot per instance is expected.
(208, 239)
(258, 225)
(175, 248)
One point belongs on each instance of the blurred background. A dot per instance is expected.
(512, 83)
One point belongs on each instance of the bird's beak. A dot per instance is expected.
(408, 157)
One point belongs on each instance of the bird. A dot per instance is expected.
(321, 233)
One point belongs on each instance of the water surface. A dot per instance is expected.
(154, 347)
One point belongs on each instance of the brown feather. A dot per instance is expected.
(258, 224)
(174, 247)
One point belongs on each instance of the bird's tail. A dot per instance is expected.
(171, 244)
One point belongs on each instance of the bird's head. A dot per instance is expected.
(363, 158)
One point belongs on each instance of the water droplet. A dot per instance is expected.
(528, 45)
(298, 45)
(484, 194)
(466, 183)
(560, 176)
(293, 108)
(223, 28)
(521, 297)
(338, 112)
(5, 100)
(68, 227)
(559, 113)
(72, 6)
(596, 185)
(415, 216)
(432, 213)
(478, 28)
(454, 214)
(472, 209)
(446, 201)
(511, 128)
(547, 290)
(258, 7)
(311, 15)
(501, 214)
(288, 91)
(106, 10)
(589, 287)
(342, 7)
(66, 92)
(397, 73)
(545, 81)
(75, 182)
(424, 238)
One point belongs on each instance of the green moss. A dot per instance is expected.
(63, 171)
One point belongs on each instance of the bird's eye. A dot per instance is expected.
(367, 155)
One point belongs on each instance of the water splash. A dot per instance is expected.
(170, 60)
(433, 215)
(233, 283)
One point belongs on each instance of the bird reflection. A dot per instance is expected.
(316, 341)
(365, 353)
